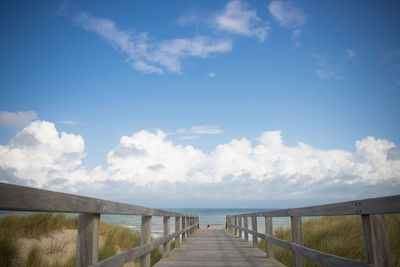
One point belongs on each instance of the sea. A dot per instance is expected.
(215, 217)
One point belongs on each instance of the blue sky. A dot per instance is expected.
(207, 85)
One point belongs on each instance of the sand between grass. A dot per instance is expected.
(49, 240)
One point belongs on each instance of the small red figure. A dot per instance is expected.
(208, 227)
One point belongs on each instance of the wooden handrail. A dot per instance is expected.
(372, 210)
(22, 198)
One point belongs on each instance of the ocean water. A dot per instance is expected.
(213, 217)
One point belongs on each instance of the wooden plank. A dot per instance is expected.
(236, 223)
(166, 232)
(383, 205)
(269, 248)
(246, 226)
(145, 239)
(380, 240)
(318, 256)
(183, 227)
(254, 228)
(240, 225)
(21, 198)
(369, 253)
(187, 224)
(217, 247)
(177, 229)
(130, 255)
(88, 239)
(297, 237)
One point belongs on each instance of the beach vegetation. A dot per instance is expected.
(338, 235)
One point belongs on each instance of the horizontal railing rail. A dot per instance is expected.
(21, 198)
(372, 212)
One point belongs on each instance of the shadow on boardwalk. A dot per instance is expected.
(217, 248)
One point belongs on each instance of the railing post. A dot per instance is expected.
(166, 228)
(145, 238)
(269, 248)
(236, 222)
(183, 227)
(187, 224)
(240, 225)
(254, 228)
(246, 226)
(177, 229)
(297, 237)
(376, 240)
(88, 239)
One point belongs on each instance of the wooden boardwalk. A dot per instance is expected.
(217, 248)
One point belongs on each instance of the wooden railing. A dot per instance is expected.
(372, 212)
(20, 198)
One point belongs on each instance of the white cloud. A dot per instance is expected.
(40, 154)
(237, 18)
(287, 14)
(16, 119)
(321, 60)
(201, 129)
(350, 54)
(325, 74)
(389, 54)
(190, 137)
(147, 164)
(296, 36)
(324, 68)
(147, 55)
(69, 122)
(211, 74)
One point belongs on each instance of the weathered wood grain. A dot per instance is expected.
(130, 255)
(177, 229)
(166, 232)
(246, 226)
(88, 239)
(297, 237)
(240, 225)
(235, 218)
(318, 256)
(254, 228)
(21, 198)
(380, 240)
(183, 227)
(383, 205)
(217, 247)
(145, 239)
(367, 232)
(269, 248)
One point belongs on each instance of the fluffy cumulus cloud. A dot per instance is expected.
(42, 157)
(237, 18)
(148, 164)
(147, 55)
(16, 119)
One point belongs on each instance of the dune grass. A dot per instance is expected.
(340, 236)
(14, 227)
